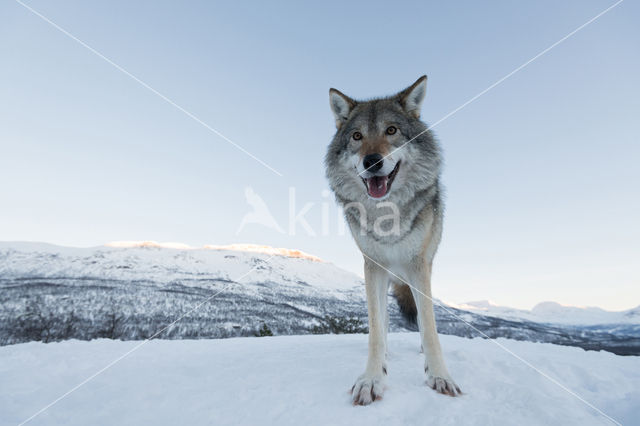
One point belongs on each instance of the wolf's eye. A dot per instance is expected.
(391, 130)
(357, 136)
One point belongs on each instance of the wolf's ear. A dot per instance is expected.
(411, 98)
(341, 106)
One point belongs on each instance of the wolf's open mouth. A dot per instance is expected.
(379, 186)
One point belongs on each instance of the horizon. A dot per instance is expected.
(295, 253)
(540, 174)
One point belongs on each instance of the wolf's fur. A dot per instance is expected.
(403, 251)
(407, 305)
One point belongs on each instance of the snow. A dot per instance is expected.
(293, 380)
(170, 262)
(555, 313)
(134, 289)
(255, 248)
(163, 264)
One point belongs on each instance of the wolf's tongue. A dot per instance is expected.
(377, 186)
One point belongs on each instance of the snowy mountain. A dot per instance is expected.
(555, 313)
(294, 380)
(52, 293)
(132, 291)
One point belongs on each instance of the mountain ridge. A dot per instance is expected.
(556, 313)
(54, 293)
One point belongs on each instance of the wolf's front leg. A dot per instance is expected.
(370, 385)
(438, 377)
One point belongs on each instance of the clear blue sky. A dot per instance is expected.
(542, 172)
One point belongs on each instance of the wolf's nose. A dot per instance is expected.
(372, 162)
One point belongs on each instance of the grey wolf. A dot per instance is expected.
(372, 179)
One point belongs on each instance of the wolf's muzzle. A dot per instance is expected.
(372, 162)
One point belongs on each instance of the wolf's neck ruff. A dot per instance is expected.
(426, 199)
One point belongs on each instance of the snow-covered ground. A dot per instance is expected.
(304, 380)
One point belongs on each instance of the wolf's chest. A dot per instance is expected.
(390, 251)
(416, 237)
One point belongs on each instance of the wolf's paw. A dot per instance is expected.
(367, 389)
(443, 385)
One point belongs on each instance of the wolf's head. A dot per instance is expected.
(371, 158)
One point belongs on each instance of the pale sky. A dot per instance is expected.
(541, 172)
